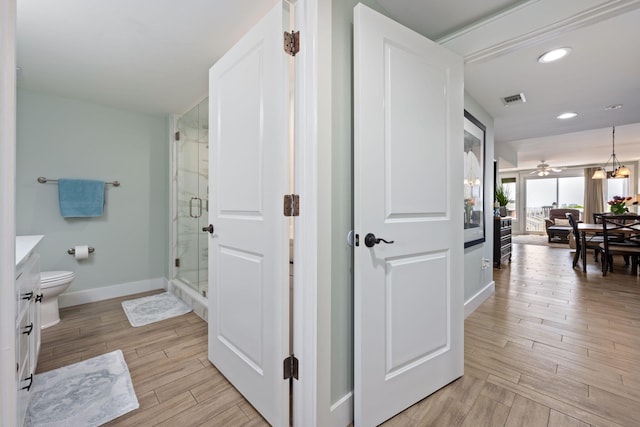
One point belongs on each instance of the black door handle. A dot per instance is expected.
(370, 240)
(209, 229)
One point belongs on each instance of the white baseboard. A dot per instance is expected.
(474, 302)
(86, 296)
(342, 411)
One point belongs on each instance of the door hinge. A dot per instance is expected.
(177, 136)
(290, 367)
(291, 205)
(177, 262)
(292, 42)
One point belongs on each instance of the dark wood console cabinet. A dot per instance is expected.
(501, 240)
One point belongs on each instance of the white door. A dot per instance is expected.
(408, 128)
(248, 250)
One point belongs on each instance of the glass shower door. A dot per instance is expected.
(192, 159)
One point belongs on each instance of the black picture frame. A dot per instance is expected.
(474, 180)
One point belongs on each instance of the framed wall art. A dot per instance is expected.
(474, 148)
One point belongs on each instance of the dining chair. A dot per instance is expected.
(592, 242)
(627, 228)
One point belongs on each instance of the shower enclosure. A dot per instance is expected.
(192, 198)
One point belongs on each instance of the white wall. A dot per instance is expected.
(65, 138)
(341, 206)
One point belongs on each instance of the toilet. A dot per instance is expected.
(52, 284)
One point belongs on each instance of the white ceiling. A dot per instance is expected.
(153, 56)
(143, 55)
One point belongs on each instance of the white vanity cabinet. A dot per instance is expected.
(27, 297)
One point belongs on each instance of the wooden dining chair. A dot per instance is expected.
(627, 228)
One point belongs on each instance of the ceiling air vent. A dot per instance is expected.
(514, 99)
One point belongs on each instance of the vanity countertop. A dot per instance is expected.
(24, 246)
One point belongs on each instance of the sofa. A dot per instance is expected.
(557, 224)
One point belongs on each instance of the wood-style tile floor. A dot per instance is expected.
(553, 347)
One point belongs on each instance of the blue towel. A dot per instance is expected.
(80, 198)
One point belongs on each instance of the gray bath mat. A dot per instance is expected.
(143, 311)
(87, 393)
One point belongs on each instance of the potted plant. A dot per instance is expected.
(502, 196)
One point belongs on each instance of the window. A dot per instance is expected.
(615, 187)
(541, 196)
(550, 193)
(571, 192)
(511, 188)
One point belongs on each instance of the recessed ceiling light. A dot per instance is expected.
(565, 116)
(554, 55)
(614, 107)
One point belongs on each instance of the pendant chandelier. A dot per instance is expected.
(618, 170)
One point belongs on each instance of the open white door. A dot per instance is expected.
(248, 249)
(409, 103)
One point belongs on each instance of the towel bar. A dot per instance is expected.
(43, 180)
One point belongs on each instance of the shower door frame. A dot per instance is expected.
(199, 239)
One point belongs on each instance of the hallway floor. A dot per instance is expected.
(552, 347)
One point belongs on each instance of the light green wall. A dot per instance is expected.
(64, 138)
(475, 277)
(342, 195)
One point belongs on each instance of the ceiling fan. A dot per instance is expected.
(543, 169)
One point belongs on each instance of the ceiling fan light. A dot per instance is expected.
(599, 174)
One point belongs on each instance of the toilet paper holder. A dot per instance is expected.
(72, 251)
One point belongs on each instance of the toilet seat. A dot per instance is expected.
(54, 278)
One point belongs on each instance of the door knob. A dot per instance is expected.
(209, 229)
(370, 240)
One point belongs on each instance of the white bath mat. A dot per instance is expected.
(87, 393)
(143, 311)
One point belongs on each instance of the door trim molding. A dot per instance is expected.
(7, 214)
(305, 299)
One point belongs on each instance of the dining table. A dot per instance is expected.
(586, 229)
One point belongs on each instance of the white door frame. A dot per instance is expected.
(9, 385)
(312, 405)
(309, 388)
